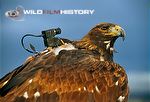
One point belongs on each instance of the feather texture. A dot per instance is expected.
(78, 71)
(79, 77)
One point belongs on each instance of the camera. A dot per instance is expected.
(49, 37)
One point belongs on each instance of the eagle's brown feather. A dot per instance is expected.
(77, 75)
(72, 81)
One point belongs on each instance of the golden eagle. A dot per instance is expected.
(77, 71)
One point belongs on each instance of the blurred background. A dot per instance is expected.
(132, 15)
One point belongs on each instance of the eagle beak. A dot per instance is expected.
(122, 34)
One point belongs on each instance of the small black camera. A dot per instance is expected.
(49, 37)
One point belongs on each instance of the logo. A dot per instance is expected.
(19, 12)
(70, 11)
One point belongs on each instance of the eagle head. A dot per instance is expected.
(103, 37)
(106, 33)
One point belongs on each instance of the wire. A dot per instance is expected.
(22, 42)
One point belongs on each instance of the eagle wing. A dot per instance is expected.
(71, 76)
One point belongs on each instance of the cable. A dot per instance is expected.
(22, 42)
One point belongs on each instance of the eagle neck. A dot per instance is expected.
(103, 47)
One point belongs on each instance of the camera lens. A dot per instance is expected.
(58, 30)
(54, 31)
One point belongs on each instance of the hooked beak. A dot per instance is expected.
(119, 32)
(122, 34)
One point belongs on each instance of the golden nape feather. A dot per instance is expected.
(69, 73)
